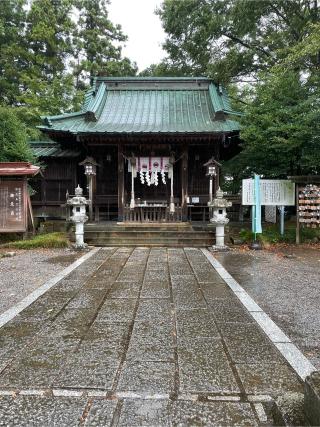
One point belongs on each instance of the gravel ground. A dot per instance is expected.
(27, 270)
(285, 282)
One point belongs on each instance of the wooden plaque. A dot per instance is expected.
(13, 206)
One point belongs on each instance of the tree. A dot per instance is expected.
(13, 138)
(12, 19)
(163, 69)
(46, 84)
(97, 43)
(49, 48)
(233, 40)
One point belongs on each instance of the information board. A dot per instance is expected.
(13, 206)
(273, 192)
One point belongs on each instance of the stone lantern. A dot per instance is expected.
(219, 218)
(79, 216)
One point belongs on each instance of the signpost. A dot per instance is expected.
(256, 207)
(267, 192)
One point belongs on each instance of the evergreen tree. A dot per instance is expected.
(46, 85)
(98, 43)
(13, 138)
(12, 24)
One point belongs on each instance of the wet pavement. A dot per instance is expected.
(285, 283)
(139, 337)
(27, 270)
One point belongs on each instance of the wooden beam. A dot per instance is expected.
(184, 182)
(120, 182)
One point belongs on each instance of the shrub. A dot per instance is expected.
(50, 240)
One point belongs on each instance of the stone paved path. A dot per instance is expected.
(139, 337)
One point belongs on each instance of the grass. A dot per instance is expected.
(271, 234)
(50, 240)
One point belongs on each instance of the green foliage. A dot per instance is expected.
(97, 41)
(50, 48)
(12, 22)
(273, 45)
(164, 69)
(50, 240)
(280, 131)
(233, 40)
(271, 234)
(13, 138)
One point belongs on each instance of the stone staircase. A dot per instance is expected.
(151, 235)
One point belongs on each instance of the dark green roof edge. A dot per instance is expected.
(151, 78)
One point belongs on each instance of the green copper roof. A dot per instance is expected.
(51, 149)
(149, 105)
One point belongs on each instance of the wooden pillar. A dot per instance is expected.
(90, 185)
(184, 182)
(217, 144)
(297, 216)
(120, 182)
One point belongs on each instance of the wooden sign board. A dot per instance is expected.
(273, 192)
(13, 206)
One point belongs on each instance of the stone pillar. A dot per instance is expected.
(79, 216)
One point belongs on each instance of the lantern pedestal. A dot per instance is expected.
(219, 218)
(79, 216)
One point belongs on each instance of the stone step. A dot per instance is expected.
(138, 227)
(174, 244)
(172, 235)
(149, 234)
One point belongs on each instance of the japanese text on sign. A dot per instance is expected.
(273, 192)
(12, 206)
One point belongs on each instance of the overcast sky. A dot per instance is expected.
(142, 27)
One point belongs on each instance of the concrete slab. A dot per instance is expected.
(213, 414)
(148, 413)
(117, 310)
(155, 289)
(147, 377)
(100, 413)
(40, 411)
(269, 378)
(151, 348)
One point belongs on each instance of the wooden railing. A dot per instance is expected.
(152, 214)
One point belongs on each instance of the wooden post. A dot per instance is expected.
(217, 181)
(184, 183)
(297, 216)
(120, 182)
(217, 145)
(90, 185)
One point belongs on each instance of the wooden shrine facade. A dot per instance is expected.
(123, 121)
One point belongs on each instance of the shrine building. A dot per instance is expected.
(138, 148)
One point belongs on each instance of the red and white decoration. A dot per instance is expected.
(149, 169)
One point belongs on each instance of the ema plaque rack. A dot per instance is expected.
(309, 206)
